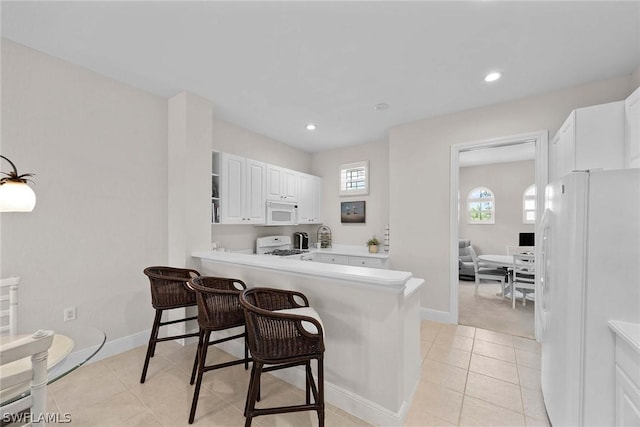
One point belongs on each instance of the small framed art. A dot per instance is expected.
(353, 212)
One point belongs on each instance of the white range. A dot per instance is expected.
(277, 245)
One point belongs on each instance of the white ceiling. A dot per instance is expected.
(272, 67)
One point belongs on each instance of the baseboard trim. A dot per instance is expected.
(436, 315)
(110, 348)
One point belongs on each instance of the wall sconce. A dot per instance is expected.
(15, 194)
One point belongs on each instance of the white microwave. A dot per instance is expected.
(282, 213)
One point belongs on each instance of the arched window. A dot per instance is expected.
(481, 206)
(529, 205)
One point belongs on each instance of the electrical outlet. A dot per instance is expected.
(69, 314)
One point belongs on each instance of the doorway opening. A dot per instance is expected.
(510, 165)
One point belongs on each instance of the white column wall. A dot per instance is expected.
(189, 177)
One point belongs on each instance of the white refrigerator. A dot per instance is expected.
(589, 273)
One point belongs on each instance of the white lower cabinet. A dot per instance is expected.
(331, 259)
(627, 400)
(370, 262)
(627, 382)
(359, 261)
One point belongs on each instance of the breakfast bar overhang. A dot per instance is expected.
(371, 319)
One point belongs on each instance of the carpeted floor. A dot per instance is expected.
(490, 311)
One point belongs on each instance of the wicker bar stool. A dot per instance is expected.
(169, 290)
(283, 331)
(218, 309)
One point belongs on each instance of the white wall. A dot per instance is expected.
(635, 78)
(99, 151)
(233, 139)
(327, 164)
(507, 181)
(419, 173)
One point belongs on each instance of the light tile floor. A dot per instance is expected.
(469, 377)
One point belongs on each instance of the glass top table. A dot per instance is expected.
(61, 360)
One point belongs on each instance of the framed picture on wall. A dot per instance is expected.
(353, 212)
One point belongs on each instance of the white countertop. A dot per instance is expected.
(372, 276)
(630, 332)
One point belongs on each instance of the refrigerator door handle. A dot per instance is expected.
(543, 270)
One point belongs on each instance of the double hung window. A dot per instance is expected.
(354, 179)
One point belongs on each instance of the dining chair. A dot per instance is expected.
(218, 309)
(9, 305)
(283, 332)
(523, 277)
(35, 346)
(169, 290)
(483, 272)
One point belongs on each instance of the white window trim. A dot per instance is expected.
(354, 192)
(491, 199)
(526, 197)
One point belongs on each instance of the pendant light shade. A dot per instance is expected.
(16, 197)
(15, 193)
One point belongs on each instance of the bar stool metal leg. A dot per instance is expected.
(194, 370)
(151, 347)
(202, 357)
(252, 395)
(320, 397)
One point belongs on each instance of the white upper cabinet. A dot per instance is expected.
(591, 138)
(282, 184)
(309, 200)
(242, 190)
(632, 134)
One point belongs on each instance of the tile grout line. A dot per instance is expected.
(466, 380)
(524, 414)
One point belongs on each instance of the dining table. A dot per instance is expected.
(498, 261)
(60, 360)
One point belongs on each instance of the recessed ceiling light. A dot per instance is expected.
(311, 126)
(492, 77)
(381, 107)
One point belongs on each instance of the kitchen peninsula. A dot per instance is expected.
(371, 320)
